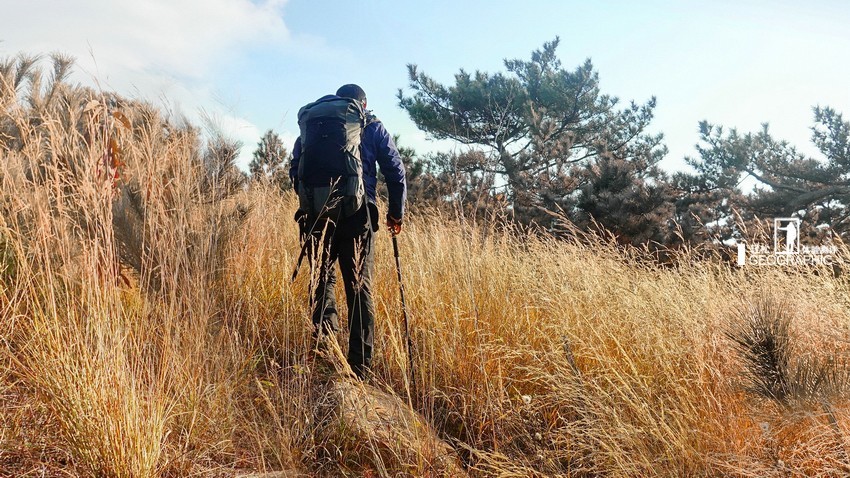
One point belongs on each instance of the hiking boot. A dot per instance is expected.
(361, 372)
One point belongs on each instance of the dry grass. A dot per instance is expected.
(148, 328)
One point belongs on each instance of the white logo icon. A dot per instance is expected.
(786, 235)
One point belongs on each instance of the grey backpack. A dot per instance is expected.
(330, 171)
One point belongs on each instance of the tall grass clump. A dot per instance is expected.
(70, 321)
(148, 327)
(117, 223)
(765, 341)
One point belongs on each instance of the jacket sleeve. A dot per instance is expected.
(392, 168)
(293, 165)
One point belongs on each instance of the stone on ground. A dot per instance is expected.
(365, 422)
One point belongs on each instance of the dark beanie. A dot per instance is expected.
(351, 91)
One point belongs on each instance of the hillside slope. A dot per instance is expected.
(148, 328)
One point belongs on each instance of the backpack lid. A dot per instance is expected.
(331, 105)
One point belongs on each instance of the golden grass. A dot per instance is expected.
(148, 328)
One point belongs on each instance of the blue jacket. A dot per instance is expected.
(377, 147)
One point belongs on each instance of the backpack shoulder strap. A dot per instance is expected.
(370, 118)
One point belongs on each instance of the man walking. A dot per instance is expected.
(336, 218)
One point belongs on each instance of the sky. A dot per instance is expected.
(249, 65)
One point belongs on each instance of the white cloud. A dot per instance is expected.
(165, 51)
(180, 37)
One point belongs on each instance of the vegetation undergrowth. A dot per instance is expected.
(148, 327)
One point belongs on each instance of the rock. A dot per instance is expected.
(363, 421)
(274, 474)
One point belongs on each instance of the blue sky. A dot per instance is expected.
(250, 65)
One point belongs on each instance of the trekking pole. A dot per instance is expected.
(307, 235)
(306, 239)
(300, 259)
(404, 314)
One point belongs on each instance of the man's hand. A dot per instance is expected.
(394, 225)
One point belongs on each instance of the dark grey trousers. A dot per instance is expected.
(350, 242)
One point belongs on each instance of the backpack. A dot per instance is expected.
(330, 171)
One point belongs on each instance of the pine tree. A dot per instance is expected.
(543, 135)
(270, 161)
(788, 183)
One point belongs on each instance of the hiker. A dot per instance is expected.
(334, 214)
